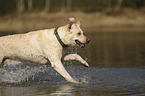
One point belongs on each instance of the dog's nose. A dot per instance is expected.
(88, 40)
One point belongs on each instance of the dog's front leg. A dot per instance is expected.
(77, 58)
(57, 65)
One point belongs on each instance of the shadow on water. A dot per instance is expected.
(116, 68)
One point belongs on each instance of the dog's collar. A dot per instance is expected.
(58, 38)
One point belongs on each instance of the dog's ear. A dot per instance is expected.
(78, 23)
(71, 23)
(71, 19)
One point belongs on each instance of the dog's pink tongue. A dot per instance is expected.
(82, 45)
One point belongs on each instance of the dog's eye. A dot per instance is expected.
(79, 33)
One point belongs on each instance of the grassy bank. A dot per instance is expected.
(90, 21)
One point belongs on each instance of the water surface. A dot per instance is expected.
(117, 68)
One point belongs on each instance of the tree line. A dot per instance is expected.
(9, 6)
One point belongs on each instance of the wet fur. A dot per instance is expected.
(40, 46)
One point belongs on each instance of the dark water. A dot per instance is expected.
(117, 68)
(117, 49)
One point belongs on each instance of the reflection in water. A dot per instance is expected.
(116, 49)
(63, 90)
(16, 91)
(47, 90)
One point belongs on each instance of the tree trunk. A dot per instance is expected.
(63, 5)
(68, 5)
(47, 5)
(20, 5)
(119, 4)
(30, 5)
(109, 9)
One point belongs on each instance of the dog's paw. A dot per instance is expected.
(85, 64)
(74, 81)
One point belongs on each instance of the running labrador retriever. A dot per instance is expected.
(43, 45)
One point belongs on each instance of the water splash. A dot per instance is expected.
(110, 77)
(19, 72)
(29, 72)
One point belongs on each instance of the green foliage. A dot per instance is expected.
(9, 6)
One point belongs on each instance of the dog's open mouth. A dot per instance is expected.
(80, 44)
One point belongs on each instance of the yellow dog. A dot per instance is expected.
(43, 45)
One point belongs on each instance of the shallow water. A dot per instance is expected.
(117, 68)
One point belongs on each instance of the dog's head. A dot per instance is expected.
(75, 34)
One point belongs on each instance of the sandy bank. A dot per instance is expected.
(90, 21)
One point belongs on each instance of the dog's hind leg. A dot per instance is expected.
(77, 58)
(2, 59)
